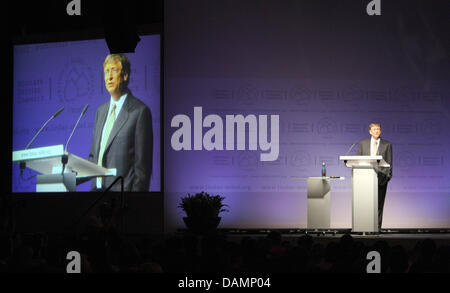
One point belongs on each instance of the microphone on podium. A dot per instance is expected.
(348, 151)
(43, 126)
(76, 124)
(23, 164)
(351, 147)
(65, 158)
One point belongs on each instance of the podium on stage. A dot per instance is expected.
(319, 202)
(364, 191)
(48, 162)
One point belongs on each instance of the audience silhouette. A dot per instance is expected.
(113, 253)
(104, 249)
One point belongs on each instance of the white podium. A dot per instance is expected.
(365, 191)
(319, 201)
(48, 162)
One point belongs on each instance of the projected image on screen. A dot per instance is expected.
(119, 131)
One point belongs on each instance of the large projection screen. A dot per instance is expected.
(48, 76)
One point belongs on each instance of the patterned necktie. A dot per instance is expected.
(108, 127)
(374, 148)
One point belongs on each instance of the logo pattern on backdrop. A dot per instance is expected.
(76, 82)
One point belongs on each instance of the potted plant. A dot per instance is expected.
(202, 211)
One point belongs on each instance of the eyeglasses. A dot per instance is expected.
(113, 70)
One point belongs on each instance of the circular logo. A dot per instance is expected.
(300, 159)
(247, 95)
(326, 127)
(352, 94)
(407, 160)
(300, 95)
(248, 161)
(75, 81)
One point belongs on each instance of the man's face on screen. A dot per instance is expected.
(375, 131)
(114, 79)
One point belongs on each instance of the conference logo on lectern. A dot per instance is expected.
(76, 82)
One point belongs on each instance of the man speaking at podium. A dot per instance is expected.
(122, 136)
(377, 146)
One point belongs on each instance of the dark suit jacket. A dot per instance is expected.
(130, 145)
(385, 150)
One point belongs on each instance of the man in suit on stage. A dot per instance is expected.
(122, 136)
(378, 146)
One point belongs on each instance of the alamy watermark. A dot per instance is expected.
(374, 266)
(220, 134)
(74, 7)
(374, 7)
(74, 265)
